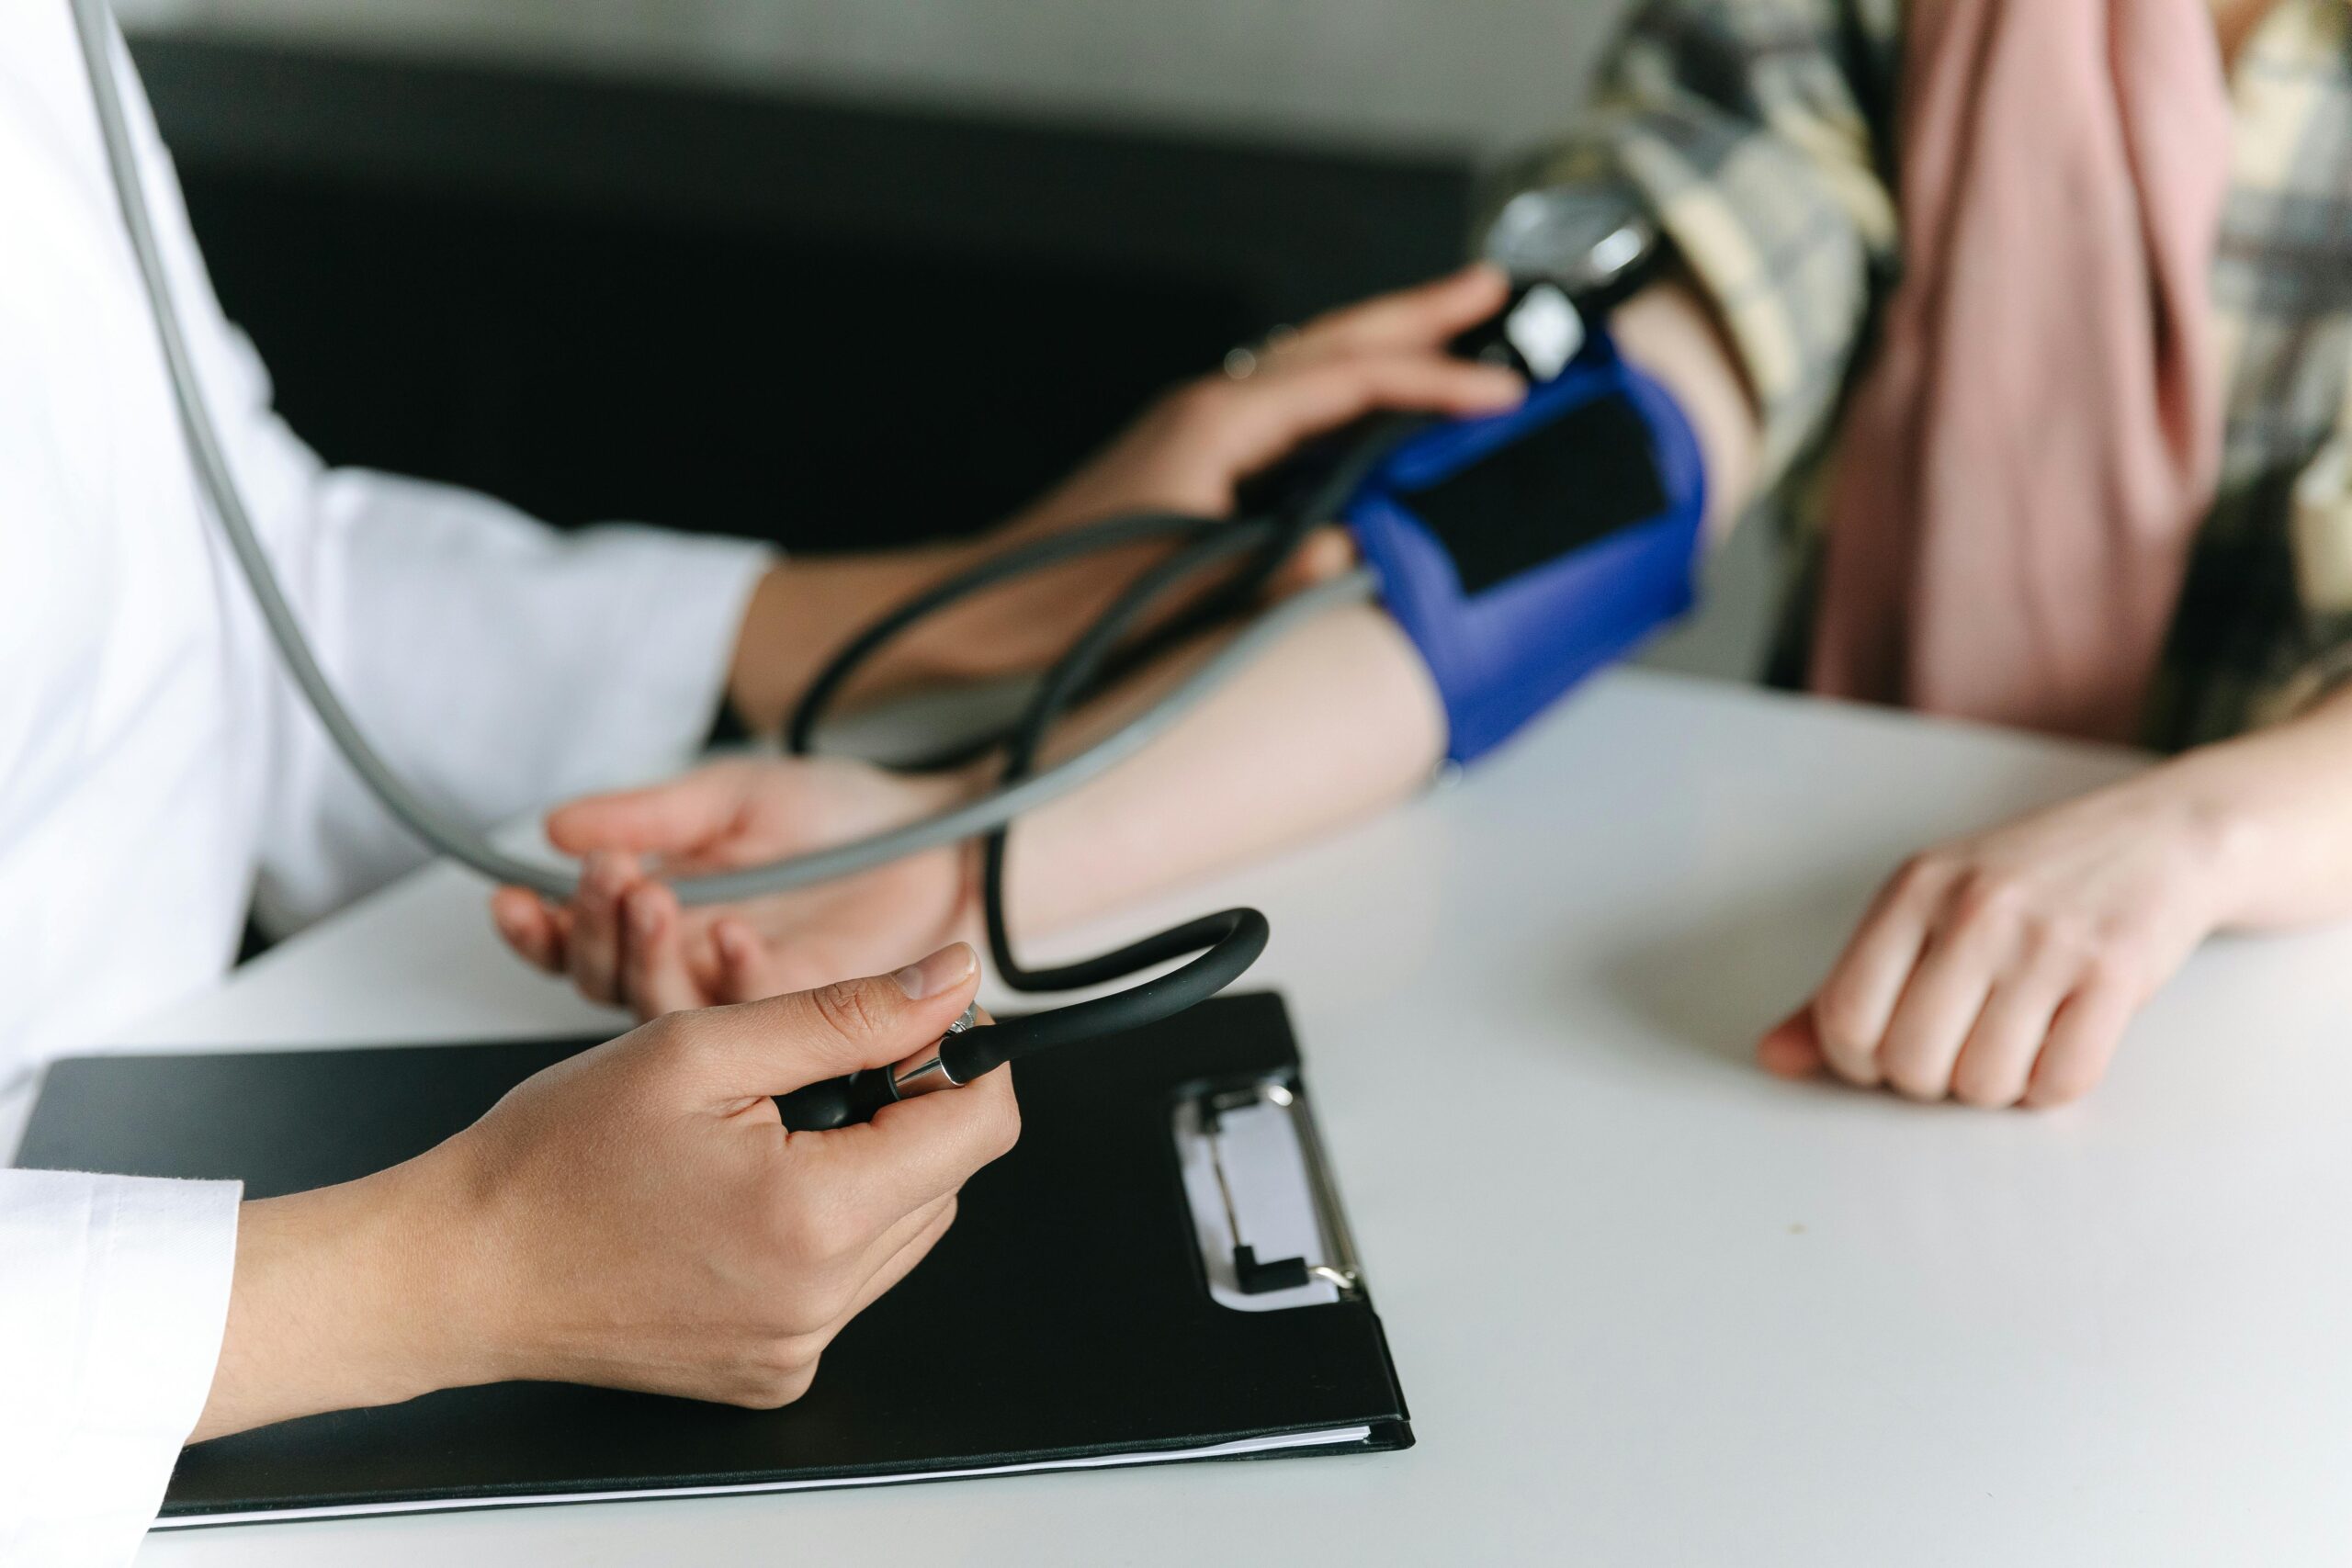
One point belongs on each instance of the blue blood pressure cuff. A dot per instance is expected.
(1521, 552)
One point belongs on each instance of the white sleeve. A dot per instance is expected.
(497, 665)
(113, 1294)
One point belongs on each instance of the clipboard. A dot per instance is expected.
(1164, 1260)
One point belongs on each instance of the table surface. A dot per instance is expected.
(1647, 1304)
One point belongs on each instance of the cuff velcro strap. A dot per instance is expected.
(1523, 551)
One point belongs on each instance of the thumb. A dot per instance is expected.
(1791, 1049)
(786, 1042)
(669, 819)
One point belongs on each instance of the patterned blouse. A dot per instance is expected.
(1759, 130)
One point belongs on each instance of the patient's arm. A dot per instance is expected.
(1671, 332)
(1336, 723)
(1339, 721)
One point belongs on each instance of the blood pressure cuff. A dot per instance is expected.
(1521, 552)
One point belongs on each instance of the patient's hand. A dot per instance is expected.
(624, 937)
(2002, 969)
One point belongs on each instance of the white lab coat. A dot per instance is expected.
(157, 772)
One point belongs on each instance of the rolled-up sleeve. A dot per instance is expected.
(113, 1294)
(1756, 130)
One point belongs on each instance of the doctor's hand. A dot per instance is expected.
(623, 938)
(636, 1217)
(1190, 452)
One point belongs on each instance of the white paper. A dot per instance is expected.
(1247, 1446)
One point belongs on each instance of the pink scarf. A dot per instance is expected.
(2026, 461)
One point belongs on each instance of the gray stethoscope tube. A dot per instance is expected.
(457, 839)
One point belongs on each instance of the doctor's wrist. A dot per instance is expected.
(346, 1296)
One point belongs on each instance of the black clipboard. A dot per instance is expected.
(1101, 1250)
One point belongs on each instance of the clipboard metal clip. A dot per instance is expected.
(1266, 1211)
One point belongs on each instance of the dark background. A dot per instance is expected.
(826, 324)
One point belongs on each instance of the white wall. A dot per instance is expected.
(1454, 73)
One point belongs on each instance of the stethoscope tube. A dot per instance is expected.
(449, 834)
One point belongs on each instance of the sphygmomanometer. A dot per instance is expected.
(1517, 552)
(1511, 597)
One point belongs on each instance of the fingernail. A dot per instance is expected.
(947, 967)
(644, 919)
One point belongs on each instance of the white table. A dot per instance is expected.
(1648, 1306)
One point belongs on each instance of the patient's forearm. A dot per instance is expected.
(1337, 722)
(2276, 801)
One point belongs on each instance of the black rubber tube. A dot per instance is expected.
(1110, 534)
(1226, 944)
